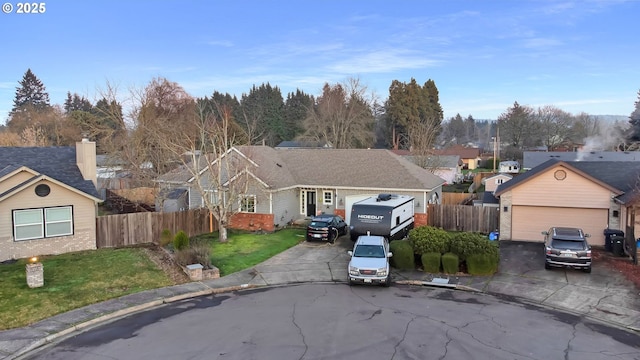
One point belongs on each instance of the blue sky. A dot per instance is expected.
(482, 55)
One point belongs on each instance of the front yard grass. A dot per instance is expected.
(244, 250)
(74, 280)
(78, 279)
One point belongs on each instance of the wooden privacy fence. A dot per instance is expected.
(450, 198)
(143, 228)
(463, 218)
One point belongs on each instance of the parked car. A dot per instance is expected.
(567, 247)
(326, 228)
(369, 262)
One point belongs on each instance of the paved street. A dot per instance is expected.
(323, 321)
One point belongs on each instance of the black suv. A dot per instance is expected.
(326, 227)
(567, 247)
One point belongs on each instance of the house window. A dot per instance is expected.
(214, 198)
(327, 197)
(499, 181)
(248, 204)
(42, 223)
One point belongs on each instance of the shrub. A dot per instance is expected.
(194, 255)
(180, 241)
(402, 255)
(482, 264)
(165, 237)
(426, 239)
(431, 262)
(450, 263)
(464, 244)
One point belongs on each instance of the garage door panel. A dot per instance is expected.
(528, 221)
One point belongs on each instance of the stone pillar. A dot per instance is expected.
(195, 272)
(35, 275)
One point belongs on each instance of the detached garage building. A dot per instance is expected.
(592, 195)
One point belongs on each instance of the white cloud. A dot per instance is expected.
(223, 43)
(382, 61)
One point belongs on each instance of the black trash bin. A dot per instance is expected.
(617, 243)
(608, 233)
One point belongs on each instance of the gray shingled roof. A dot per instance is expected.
(56, 162)
(621, 175)
(438, 161)
(532, 159)
(352, 168)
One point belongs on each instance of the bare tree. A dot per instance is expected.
(221, 174)
(555, 125)
(342, 116)
(422, 136)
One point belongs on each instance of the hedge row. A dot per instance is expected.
(437, 249)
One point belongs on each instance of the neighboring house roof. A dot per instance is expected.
(489, 198)
(438, 161)
(55, 162)
(532, 159)
(620, 177)
(347, 168)
(462, 151)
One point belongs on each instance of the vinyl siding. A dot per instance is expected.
(573, 191)
(84, 223)
(14, 180)
(286, 206)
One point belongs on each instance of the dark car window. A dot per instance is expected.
(319, 224)
(567, 244)
(372, 251)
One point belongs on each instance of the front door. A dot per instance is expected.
(311, 203)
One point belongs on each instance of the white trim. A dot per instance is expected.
(200, 172)
(255, 203)
(43, 222)
(324, 197)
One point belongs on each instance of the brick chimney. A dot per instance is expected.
(86, 160)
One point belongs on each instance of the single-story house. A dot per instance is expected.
(470, 156)
(491, 183)
(290, 184)
(592, 195)
(48, 200)
(532, 159)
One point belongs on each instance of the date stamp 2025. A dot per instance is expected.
(24, 8)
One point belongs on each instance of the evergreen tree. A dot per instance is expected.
(634, 120)
(296, 108)
(30, 94)
(76, 103)
(263, 114)
(413, 108)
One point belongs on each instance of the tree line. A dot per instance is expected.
(344, 115)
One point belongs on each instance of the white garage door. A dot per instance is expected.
(529, 221)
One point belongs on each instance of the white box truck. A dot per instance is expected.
(391, 216)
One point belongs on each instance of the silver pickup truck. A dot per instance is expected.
(370, 261)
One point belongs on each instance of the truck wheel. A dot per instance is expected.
(387, 282)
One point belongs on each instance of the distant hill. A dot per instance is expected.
(612, 118)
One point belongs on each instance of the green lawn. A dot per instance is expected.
(78, 279)
(72, 281)
(244, 250)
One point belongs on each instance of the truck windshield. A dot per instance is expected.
(371, 251)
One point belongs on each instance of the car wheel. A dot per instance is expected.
(350, 282)
(547, 266)
(588, 270)
(387, 282)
